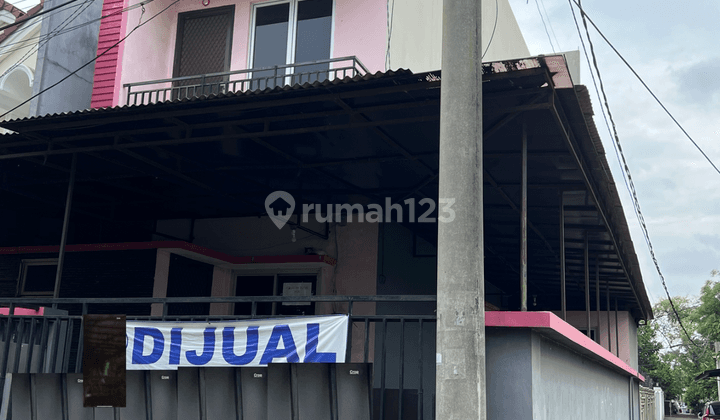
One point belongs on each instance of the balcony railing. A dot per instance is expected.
(141, 93)
(402, 347)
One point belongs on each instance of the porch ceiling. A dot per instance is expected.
(347, 141)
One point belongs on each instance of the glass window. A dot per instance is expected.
(312, 42)
(298, 31)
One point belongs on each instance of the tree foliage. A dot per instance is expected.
(672, 353)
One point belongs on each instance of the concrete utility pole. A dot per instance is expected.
(460, 379)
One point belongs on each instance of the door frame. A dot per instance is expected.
(182, 17)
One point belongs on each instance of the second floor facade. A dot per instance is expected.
(182, 49)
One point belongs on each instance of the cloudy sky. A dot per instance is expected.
(673, 46)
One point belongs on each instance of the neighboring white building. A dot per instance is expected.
(18, 58)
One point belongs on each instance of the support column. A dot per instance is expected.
(523, 222)
(607, 309)
(66, 225)
(587, 283)
(617, 332)
(162, 271)
(563, 297)
(460, 340)
(597, 297)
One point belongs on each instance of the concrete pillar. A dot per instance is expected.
(460, 369)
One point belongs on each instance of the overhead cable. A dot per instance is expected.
(89, 62)
(625, 169)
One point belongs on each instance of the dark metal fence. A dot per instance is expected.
(400, 346)
(140, 93)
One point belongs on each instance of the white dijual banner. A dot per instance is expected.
(155, 345)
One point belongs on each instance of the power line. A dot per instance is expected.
(542, 2)
(91, 61)
(492, 35)
(646, 86)
(625, 169)
(545, 26)
(10, 25)
(75, 14)
(28, 41)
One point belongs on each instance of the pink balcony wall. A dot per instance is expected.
(360, 29)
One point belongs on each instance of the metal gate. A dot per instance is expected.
(277, 392)
(647, 404)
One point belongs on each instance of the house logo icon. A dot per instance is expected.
(279, 206)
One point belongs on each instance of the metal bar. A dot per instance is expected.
(607, 309)
(587, 283)
(366, 349)
(401, 376)
(383, 366)
(66, 223)
(563, 296)
(68, 342)
(617, 333)
(31, 345)
(43, 343)
(33, 397)
(64, 397)
(332, 370)
(597, 298)
(238, 395)
(6, 347)
(78, 356)
(203, 395)
(420, 370)
(56, 344)
(294, 392)
(523, 221)
(569, 138)
(18, 346)
(148, 396)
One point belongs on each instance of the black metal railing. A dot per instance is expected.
(141, 93)
(401, 346)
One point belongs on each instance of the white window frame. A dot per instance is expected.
(24, 264)
(292, 31)
(276, 272)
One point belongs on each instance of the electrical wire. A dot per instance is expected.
(646, 87)
(10, 25)
(625, 169)
(542, 2)
(75, 14)
(545, 26)
(390, 18)
(91, 61)
(497, 12)
(28, 41)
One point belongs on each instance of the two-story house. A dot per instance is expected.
(158, 203)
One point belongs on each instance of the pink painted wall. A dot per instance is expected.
(578, 319)
(106, 67)
(360, 29)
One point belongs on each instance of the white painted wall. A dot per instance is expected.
(416, 35)
(16, 84)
